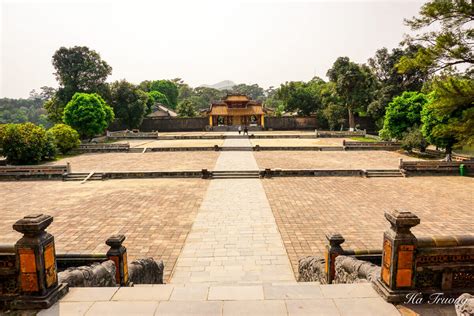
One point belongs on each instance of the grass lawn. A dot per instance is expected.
(466, 150)
(364, 139)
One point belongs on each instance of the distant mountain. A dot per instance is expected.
(223, 85)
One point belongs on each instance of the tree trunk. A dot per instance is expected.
(449, 151)
(351, 120)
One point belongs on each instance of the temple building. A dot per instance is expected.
(236, 109)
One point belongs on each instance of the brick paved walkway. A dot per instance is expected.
(154, 215)
(234, 238)
(306, 209)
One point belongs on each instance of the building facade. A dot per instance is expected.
(235, 110)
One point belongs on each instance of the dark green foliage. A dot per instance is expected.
(159, 97)
(304, 98)
(168, 88)
(88, 114)
(26, 110)
(413, 138)
(448, 119)
(390, 82)
(26, 143)
(64, 137)
(446, 46)
(254, 91)
(78, 69)
(336, 116)
(403, 113)
(186, 109)
(355, 85)
(129, 103)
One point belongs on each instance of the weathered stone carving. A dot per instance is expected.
(95, 275)
(465, 305)
(312, 269)
(146, 271)
(352, 270)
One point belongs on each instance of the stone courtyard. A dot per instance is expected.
(238, 234)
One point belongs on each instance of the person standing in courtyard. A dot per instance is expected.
(246, 130)
(239, 129)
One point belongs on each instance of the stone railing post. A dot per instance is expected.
(68, 168)
(268, 173)
(398, 264)
(400, 163)
(118, 254)
(216, 147)
(334, 249)
(36, 262)
(205, 174)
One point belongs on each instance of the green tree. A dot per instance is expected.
(25, 143)
(335, 115)
(254, 91)
(413, 138)
(88, 114)
(159, 97)
(403, 113)
(392, 83)
(168, 88)
(355, 84)
(186, 109)
(447, 46)
(448, 120)
(129, 103)
(300, 96)
(65, 138)
(77, 69)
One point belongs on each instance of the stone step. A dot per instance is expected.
(282, 298)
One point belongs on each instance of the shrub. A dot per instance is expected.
(65, 138)
(88, 114)
(2, 133)
(413, 138)
(26, 143)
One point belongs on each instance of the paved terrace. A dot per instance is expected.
(377, 159)
(142, 143)
(307, 208)
(154, 215)
(202, 300)
(234, 238)
(154, 161)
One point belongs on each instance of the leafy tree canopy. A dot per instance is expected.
(403, 113)
(88, 114)
(129, 103)
(168, 88)
(186, 109)
(65, 138)
(254, 91)
(448, 119)
(451, 45)
(355, 84)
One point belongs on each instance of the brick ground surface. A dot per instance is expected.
(306, 209)
(158, 161)
(298, 141)
(329, 159)
(173, 143)
(154, 215)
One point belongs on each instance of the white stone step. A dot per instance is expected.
(267, 299)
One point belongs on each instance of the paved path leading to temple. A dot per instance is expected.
(234, 238)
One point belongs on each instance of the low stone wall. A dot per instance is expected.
(94, 148)
(152, 174)
(41, 172)
(291, 122)
(174, 124)
(349, 145)
(268, 173)
(132, 135)
(94, 275)
(298, 148)
(435, 167)
(341, 134)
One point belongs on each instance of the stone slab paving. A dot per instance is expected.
(294, 142)
(270, 299)
(234, 238)
(173, 143)
(306, 209)
(154, 214)
(378, 159)
(155, 161)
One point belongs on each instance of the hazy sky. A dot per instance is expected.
(202, 42)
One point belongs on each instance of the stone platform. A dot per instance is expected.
(264, 299)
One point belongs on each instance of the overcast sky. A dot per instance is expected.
(202, 42)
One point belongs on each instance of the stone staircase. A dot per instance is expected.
(242, 174)
(383, 173)
(81, 176)
(277, 299)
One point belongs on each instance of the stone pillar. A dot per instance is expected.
(205, 173)
(398, 264)
(268, 173)
(334, 249)
(118, 254)
(36, 262)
